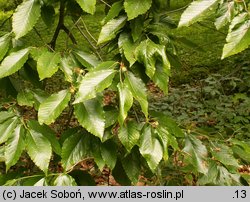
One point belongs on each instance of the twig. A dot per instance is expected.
(94, 48)
(70, 35)
(105, 3)
(86, 28)
(40, 36)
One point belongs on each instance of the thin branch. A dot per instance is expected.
(68, 32)
(40, 36)
(94, 48)
(105, 3)
(59, 25)
(86, 28)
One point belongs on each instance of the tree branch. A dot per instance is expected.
(61, 26)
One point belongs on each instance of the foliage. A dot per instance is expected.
(107, 129)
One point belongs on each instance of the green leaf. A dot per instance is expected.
(92, 83)
(114, 11)
(87, 5)
(53, 106)
(25, 17)
(82, 178)
(13, 62)
(4, 45)
(135, 8)
(14, 146)
(109, 153)
(67, 66)
(75, 148)
(96, 151)
(137, 27)
(120, 175)
(6, 129)
(2, 158)
(241, 149)
(196, 153)
(48, 133)
(161, 78)
(111, 29)
(150, 148)
(90, 115)
(4, 115)
(41, 182)
(148, 53)
(129, 135)
(238, 38)
(64, 180)
(106, 65)
(168, 123)
(138, 90)
(196, 11)
(126, 46)
(125, 101)
(223, 154)
(88, 60)
(226, 13)
(48, 64)
(25, 98)
(48, 15)
(39, 149)
(132, 166)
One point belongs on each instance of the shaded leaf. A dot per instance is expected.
(196, 153)
(109, 153)
(111, 29)
(96, 151)
(120, 175)
(137, 27)
(223, 154)
(138, 90)
(168, 123)
(6, 128)
(92, 83)
(90, 115)
(15, 146)
(241, 149)
(125, 101)
(82, 178)
(39, 149)
(48, 133)
(48, 15)
(48, 64)
(196, 11)
(135, 8)
(132, 166)
(53, 106)
(25, 17)
(129, 135)
(75, 148)
(150, 148)
(13, 62)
